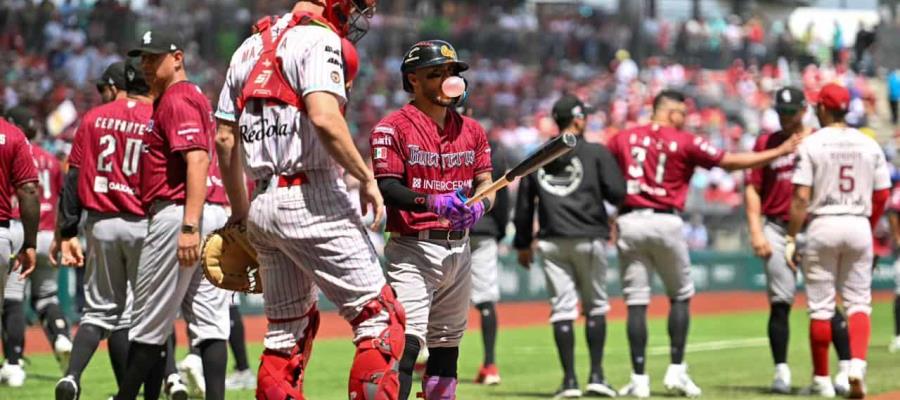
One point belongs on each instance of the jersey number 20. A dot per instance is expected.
(132, 155)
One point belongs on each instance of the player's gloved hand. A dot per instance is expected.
(447, 206)
(790, 252)
(476, 211)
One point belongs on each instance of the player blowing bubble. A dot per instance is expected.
(427, 158)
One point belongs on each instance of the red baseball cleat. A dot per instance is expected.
(488, 375)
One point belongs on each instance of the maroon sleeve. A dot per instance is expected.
(703, 154)
(183, 123)
(482, 150)
(755, 175)
(77, 153)
(24, 169)
(387, 154)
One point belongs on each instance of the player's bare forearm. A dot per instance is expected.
(754, 215)
(482, 181)
(894, 222)
(231, 164)
(754, 159)
(799, 205)
(30, 212)
(324, 112)
(195, 186)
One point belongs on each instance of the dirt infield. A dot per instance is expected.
(510, 315)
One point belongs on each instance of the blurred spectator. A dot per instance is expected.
(893, 85)
(695, 233)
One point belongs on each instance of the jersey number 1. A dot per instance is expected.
(639, 154)
(129, 163)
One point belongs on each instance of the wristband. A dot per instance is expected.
(487, 204)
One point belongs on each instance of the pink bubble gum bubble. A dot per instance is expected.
(453, 86)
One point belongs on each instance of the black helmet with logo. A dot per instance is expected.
(429, 53)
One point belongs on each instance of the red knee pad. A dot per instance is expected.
(281, 376)
(374, 374)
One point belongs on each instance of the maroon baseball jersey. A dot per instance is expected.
(17, 166)
(773, 181)
(659, 162)
(182, 121)
(107, 151)
(409, 146)
(216, 190)
(51, 179)
(894, 201)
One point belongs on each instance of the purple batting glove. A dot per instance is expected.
(447, 205)
(470, 219)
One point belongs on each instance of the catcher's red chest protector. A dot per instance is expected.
(266, 81)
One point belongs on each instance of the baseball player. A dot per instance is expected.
(176, 170)
(570, 193)
(894, 220)
(280, 119)
(18, 174)
(841, 183)
(103, 180)
(768, 194)
(658, 161)
(484, 238)
(43, 281)
(424, 155)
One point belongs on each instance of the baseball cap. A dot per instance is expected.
(134, 76)
(835, 97)
(157, 41)
(113, 76)
(570, 107)
(21, 117)
(789, 99)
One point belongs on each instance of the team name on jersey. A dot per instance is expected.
(120, 125)
(431, 159)
(261, 130)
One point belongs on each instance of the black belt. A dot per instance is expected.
(626, 210)
(779, 222)
(4, 224)
(438, 235)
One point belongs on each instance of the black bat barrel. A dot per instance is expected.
(550, 151)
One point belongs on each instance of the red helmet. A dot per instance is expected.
(350, 17)
(351, 60)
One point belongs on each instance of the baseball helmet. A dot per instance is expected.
(426, 54)
(350, 17)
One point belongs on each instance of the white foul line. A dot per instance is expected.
(663, 350)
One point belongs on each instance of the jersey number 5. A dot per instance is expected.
(847, 183)
(129, 163)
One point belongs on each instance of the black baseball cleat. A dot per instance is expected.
(568, 390)
(67, 388)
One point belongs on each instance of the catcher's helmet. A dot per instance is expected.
(350, 17)
(429, 53)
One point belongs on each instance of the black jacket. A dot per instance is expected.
(569, 193)
(494, 223)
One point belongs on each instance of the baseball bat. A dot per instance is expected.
(553, 149)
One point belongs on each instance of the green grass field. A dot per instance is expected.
(728, 357)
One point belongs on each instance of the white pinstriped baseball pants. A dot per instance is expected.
(310, 238)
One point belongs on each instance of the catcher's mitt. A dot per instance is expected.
(229, 261)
